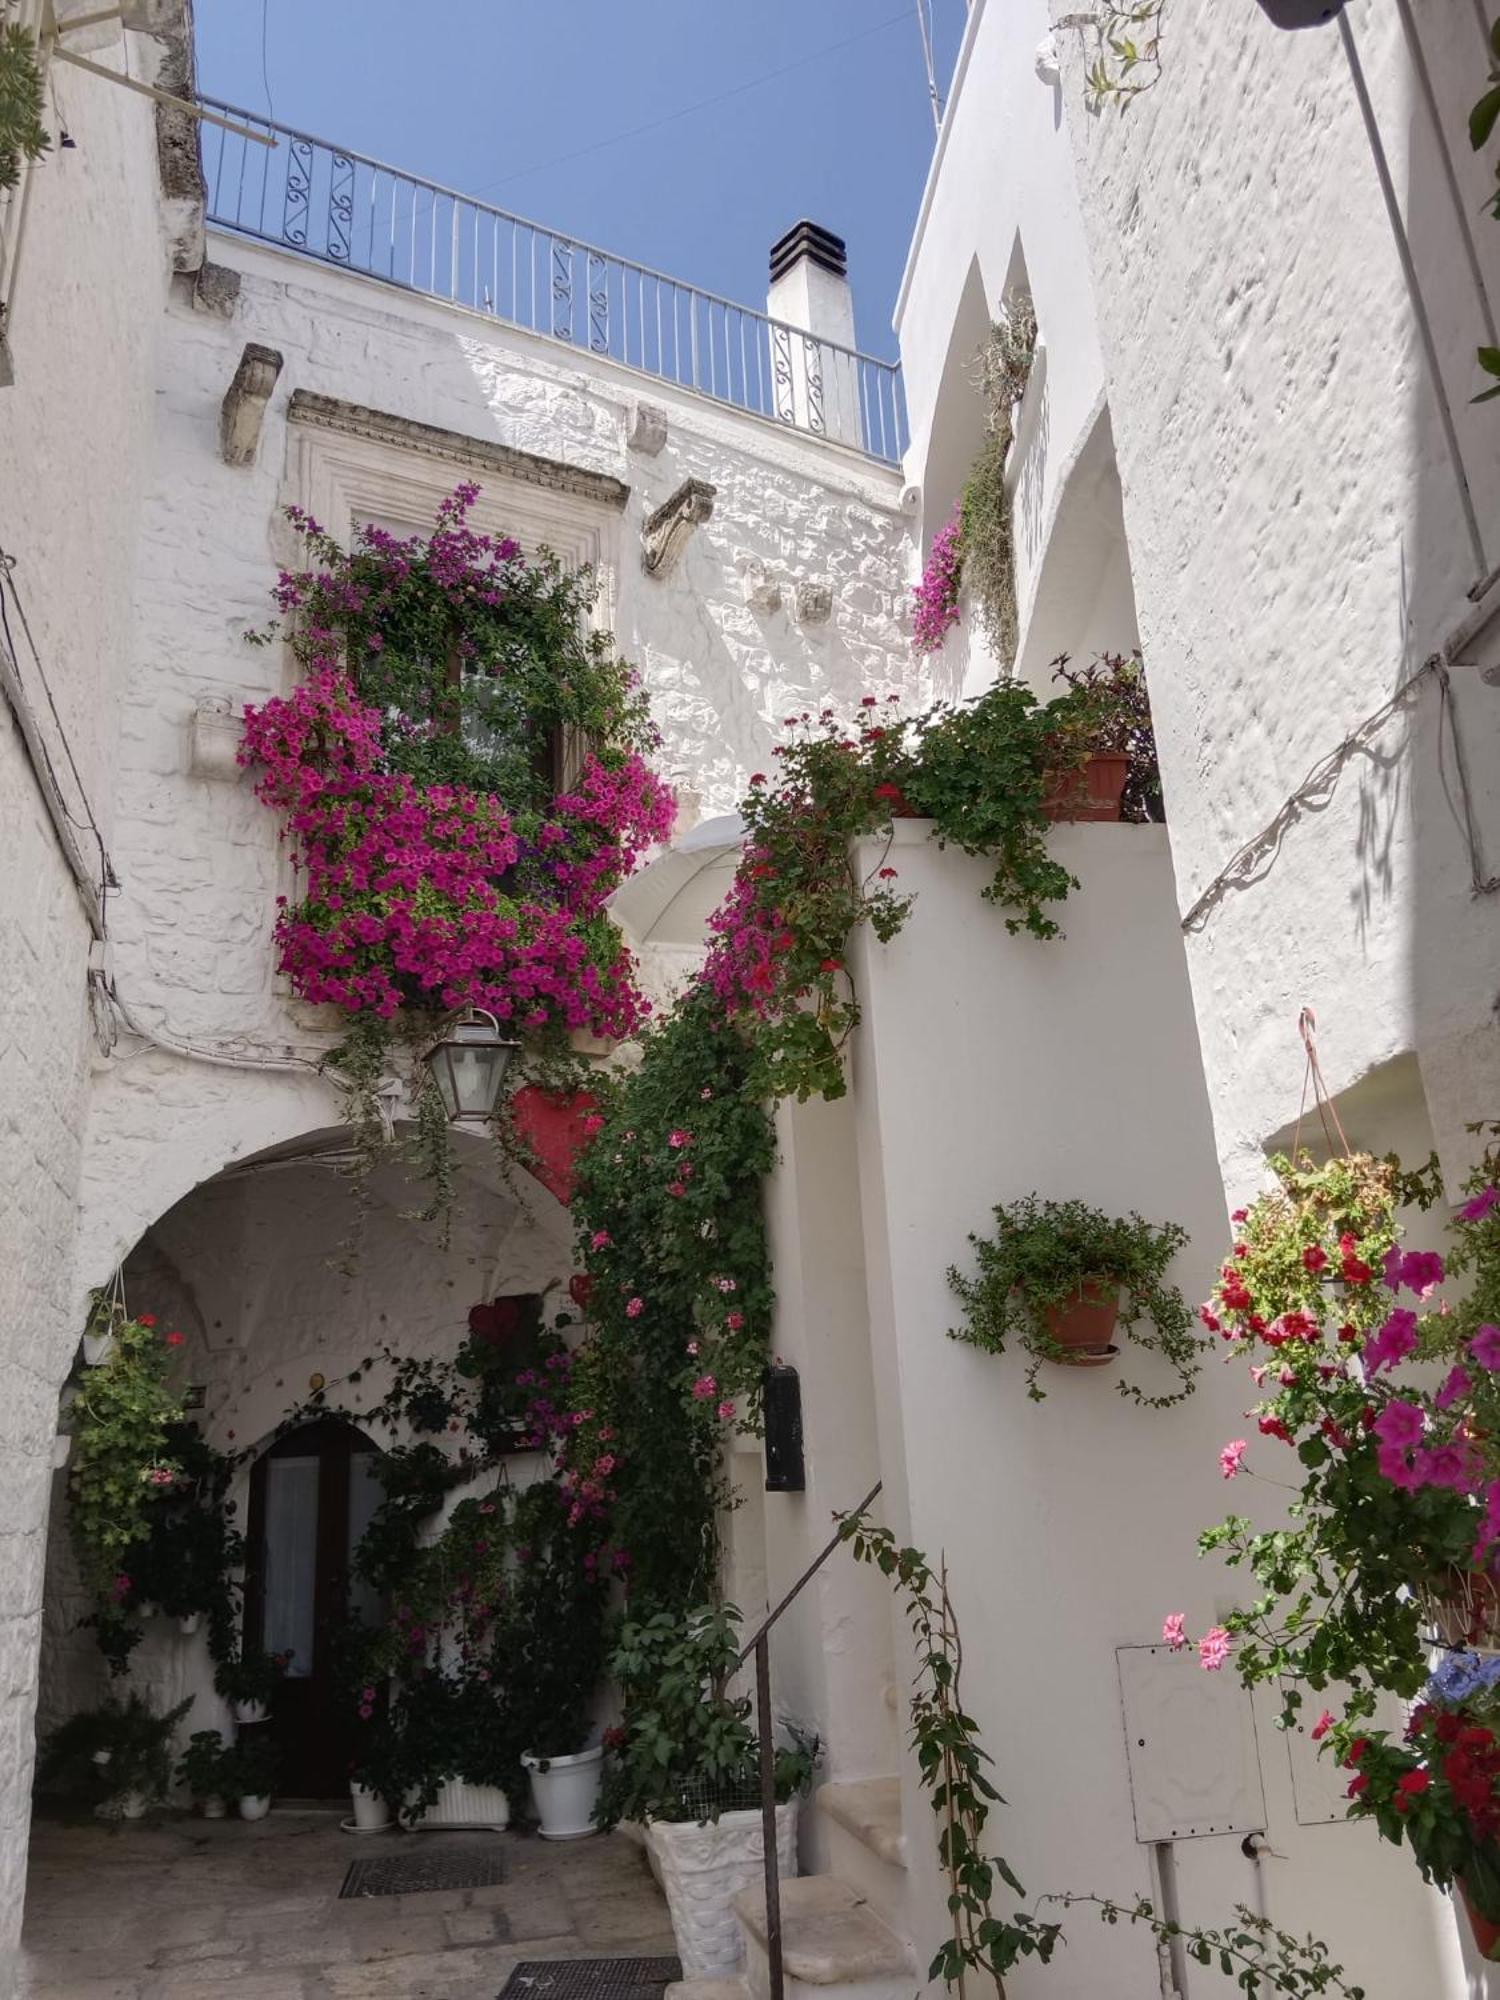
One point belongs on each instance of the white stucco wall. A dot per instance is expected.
(1296, 541)
(75, 445)
(989, 1067)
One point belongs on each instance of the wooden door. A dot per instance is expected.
(311, 1497)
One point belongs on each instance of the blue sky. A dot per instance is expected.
(527, 103)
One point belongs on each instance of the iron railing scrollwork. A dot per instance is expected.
(360, 215)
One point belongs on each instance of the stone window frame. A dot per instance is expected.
(347, 463)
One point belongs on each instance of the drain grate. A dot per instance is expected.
(413, 1874)
(591, 1979)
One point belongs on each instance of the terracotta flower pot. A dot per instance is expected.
(1092, 792)
(1085, 1325)
(1486, 1934)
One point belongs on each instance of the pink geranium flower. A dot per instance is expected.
(1231, 1455)
(1213, 1649)
(634, 1308)
(1173, 1631)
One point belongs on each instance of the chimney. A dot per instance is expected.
(814, 374)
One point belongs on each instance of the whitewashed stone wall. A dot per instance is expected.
(75, 444)
(1296, 542)
(726, 643)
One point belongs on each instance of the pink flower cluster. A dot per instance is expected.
(424, 895)
(935, 598)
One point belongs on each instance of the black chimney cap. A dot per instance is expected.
(809, 239)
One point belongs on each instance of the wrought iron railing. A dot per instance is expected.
(324, 201)
(759, 1649)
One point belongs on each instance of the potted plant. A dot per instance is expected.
(1437, 1787)
(249, 1683)
(253, 1768)
(1061, 1277)
(687, 1766)
(454, 1754)
(1106, 718)
(552, 1645)
(116, 1757)
(206, 1767)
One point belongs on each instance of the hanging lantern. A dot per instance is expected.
(468, 1066)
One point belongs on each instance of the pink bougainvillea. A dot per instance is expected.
(935, 598)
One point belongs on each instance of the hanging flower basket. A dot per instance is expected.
(1091, 792)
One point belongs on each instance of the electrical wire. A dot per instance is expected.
(687, 110)
(265, 69)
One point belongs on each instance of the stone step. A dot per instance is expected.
(870, 1809)
(830, 1937)
(708, 1989)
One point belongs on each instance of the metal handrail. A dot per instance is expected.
(760, 1646)
(358, 213)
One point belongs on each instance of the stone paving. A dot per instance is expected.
(190, 1909)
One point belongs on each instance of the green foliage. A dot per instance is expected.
(22, 134)
(988, 539)
(688, 1750)
(122, 1418)
(252, 1765)
(954, 1770)
(981, 773)
(103, 1753)
(1042, 1252)
(1251, 1951)
(1482, 120)
(1127, 52)
(187, 1559)
(206, 1766)
(649, 1456)
(251, 1676)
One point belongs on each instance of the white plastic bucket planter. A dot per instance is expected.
(133, 1805)
(188, 1625)
(564, 1790)
(370, 1810)
(97, 1348)
(255, 1806)
(250, 1711)
(703, 1869)
(213, 1808)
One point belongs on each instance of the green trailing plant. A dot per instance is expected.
(1126, 60)
(188, 1559)
(987, 536)
(22, 133)
(101, 1755)
(954, 1769)
(1043, 1252)
(686, 1750)
(206, 1766)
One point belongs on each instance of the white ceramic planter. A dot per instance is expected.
(459, 1803)
(370, 1810)
(97, 1348)
(564, 1790)
(255, 1808)
(213, 1808)
(133, 1805)
(250, 1711)
(703, 1869)
(189, 1625)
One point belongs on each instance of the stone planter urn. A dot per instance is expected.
(703, 1868)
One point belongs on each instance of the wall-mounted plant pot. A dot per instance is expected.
(1085, 1325)
(250, 1712)
(213, 1808)
(1486, 1934)
(188, 1625)
(97, 1349)
(255, 1805)
(1093, 792)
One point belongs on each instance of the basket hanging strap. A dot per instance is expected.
(1312, 1075)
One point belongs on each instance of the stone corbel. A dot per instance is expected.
(667, 531)
(213, 748)
(813, 603)
(762, 591)
(244, 407)
(648, 430)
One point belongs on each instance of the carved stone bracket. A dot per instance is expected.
(762, 591)
(813, 603)
(667, 531)
(244, 407)
(648, 430)
(215, 740)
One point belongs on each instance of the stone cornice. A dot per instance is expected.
(330, 413)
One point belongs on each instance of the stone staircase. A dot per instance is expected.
(834, 1946)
